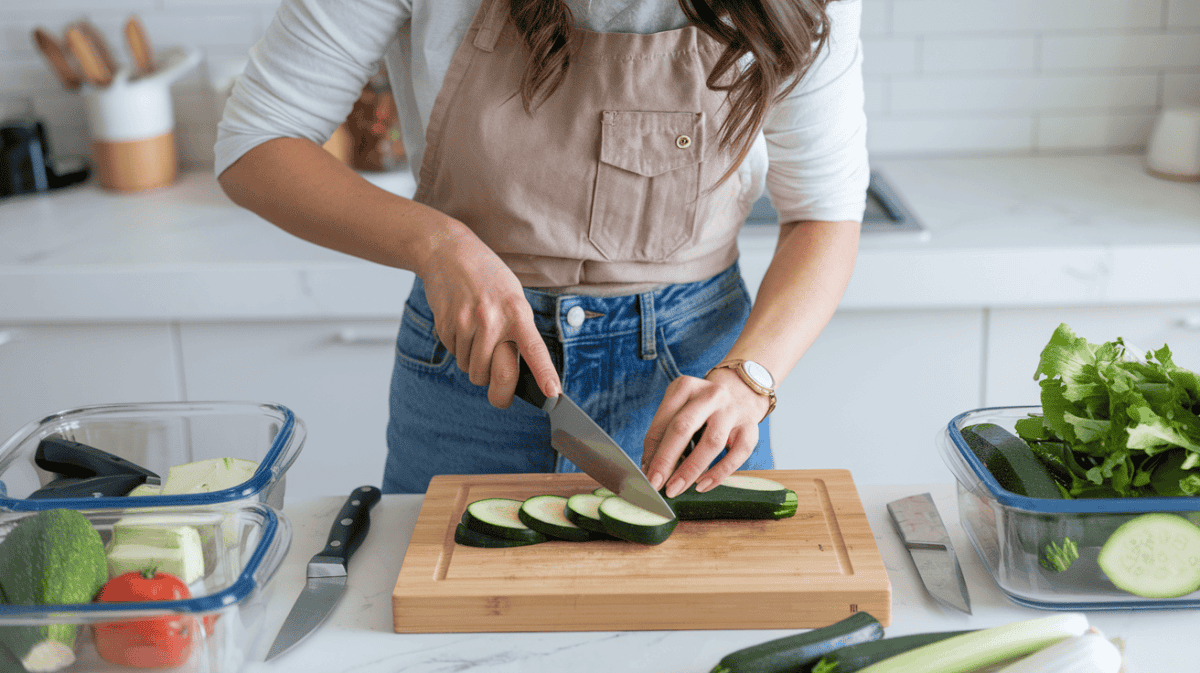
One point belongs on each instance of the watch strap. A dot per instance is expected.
(758, 388)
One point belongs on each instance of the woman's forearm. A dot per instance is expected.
(298, 186)
(799, 293)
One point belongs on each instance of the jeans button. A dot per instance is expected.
(575, 316)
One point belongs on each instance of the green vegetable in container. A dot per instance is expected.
(1060, 557)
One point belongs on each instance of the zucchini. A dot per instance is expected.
(604, 492)
(583, 510)
(469, 538)
(1011, 461)
(860, 655)
(546, 514)
(787, 654)
(738, 497)
(1154, 556)
(625, 520)
(497, 517)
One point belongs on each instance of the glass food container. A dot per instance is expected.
(243, 547)
(1010, 531)
(157, 436)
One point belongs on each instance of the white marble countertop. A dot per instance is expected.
(1004, 231)
(359, 637)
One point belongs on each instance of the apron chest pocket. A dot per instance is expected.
(647, 184)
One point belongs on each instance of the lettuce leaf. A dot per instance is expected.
(1130, 421)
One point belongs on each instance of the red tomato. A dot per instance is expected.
(154, 642)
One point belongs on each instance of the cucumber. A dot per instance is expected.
(469, 538)
(1011, 461)
(547, 515)
(583, 509)
(625, 520)
(738, 497)
(498, 517)
(858, 656)
(1154, 556)
(787, 654)
(603, 492)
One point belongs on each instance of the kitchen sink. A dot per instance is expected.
(885, 212)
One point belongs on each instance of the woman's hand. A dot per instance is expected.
(730, 412)
(482, 317)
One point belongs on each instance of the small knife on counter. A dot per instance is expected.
(924, 535)
(327, 571)
(575, 435)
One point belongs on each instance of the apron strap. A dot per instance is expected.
(493, 23)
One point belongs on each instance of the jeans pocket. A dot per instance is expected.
(418, 346)
(695, 343)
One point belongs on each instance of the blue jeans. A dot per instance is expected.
(615, 365)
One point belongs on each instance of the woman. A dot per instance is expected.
(583, 168)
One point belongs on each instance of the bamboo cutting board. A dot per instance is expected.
(803, 572)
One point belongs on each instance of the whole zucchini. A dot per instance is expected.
(790, 653)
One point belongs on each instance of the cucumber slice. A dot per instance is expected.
(469, 538)
(1154, 556)
(603, 492)
(627, 521)
(583, 510)
(547, 515)
(498, 517)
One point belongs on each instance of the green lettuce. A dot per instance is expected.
(1129, 423)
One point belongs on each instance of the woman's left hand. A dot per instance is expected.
(727, 408)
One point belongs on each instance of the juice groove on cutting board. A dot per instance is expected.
(802, 572)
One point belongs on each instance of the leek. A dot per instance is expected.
(965, 653)
(1089, 653)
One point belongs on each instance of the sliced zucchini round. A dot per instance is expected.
(498, 517)
(583, 510)
(627, 521)
(1155, 555)
(547, 514)
(467, 537)
(603, 492)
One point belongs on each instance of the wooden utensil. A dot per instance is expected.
(53, 51)
(100, 45)
(139, 46)
(95, 70)
(806, 571)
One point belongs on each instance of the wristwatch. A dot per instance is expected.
(754, 375)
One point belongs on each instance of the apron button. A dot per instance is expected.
(683, 142)
(575, 316)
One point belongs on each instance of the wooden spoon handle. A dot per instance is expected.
(53, 51)
(139, 46)
(100, 45)
(94, 68)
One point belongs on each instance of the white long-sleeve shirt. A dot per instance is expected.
(305, 74)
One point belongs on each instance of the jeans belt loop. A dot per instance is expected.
(648, 349)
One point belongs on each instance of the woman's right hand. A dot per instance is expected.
(482, 317)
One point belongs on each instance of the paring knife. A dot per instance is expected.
(327, 571)
(921, 528)
(575, 435)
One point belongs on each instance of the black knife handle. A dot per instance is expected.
(350, 528)
(100, 486)
(527, 386)
(73, 459)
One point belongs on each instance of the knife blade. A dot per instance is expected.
(575, 435)
(924, 535)
(326, 578)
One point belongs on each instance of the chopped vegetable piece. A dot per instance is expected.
(625, 520)
(1154, 556)
(583, 510)
(469, 538)
(498, 517)
(547, 515)
(1060, 557)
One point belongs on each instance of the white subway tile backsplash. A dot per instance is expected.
(938, 135)
(978, 54)
(994, 16)
(1093, 132)
(1120, 52)
(1028, 92)
(887, 56)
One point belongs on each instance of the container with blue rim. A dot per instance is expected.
(158, 436)
(1010, 532)
(243, 546)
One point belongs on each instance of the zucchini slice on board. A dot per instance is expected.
(738, 497)
(1154, 556)
(547, 515)
(625, 520)
(784, 655)
(469, 538)
(583, 509)
(498, 517)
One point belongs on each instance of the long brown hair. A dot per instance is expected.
(784, 37)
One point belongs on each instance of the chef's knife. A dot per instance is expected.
(575, 435)
(327, 571)
(921, 528)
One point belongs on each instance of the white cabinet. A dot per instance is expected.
(333, 374)
(1016, 338)
(49, 368)
(874, 385)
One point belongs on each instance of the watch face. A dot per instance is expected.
(759, 373)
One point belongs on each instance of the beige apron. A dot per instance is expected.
(609, 180)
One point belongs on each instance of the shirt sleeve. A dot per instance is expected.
(304, 75)
(816, 137)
